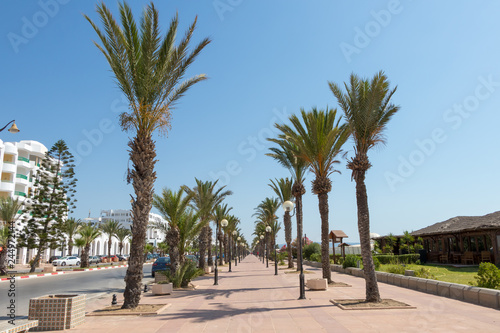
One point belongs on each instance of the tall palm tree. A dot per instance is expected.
(318, 138)
(9, 214)
(70, 228)
(110, 227)
(266, 214)
(283, 189)
(121, 234)
(367, 109)
(149, 69)
(88, 233)
(205, 197)
(285, 156)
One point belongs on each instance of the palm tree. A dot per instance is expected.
(220, 213)
(318, 139)
(70, 228)
(149, 69)
(285, 156)
(173, 206)
(367, 109)
(88, 233)
(204, 200)
(110, 227)
(4, 243)
(121, 234)
(390, 240)
(283, 189)
(407, 239)
(266, 214)
(163, 248)
(9, 214)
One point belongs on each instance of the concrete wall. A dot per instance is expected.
(480, 296)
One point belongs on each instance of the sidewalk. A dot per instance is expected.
(252, 299)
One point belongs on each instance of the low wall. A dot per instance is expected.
(475, 295)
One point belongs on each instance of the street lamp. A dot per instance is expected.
(235, 255)
(261, 240)
(13, 128)
(224, 225)
(237, 249)
(268, 230)
(288, 206)
(216, 275)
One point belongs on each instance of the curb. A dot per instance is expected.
(58, 273)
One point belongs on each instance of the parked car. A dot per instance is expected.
(122, 258)
(70, 261)
(160, 264)
(152, 256)
(94, 260)
(51, 259)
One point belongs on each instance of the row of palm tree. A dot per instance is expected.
(266, 219)
(314, 142)
(188, 212)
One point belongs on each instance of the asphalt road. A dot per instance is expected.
(92, 283)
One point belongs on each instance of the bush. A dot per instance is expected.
(376, 262)
(311, 249)
(488, 276)
(424, 273)
(390, 259)
(350, 261)
(315, 257)
(395, 269)
(183, 275)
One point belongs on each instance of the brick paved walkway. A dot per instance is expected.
(253, 299)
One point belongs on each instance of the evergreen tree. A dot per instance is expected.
(50, 202)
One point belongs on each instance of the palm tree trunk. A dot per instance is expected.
(372, 292)
(109, 247)
(85, 256)
(288, 237)
(3, 259)
(142, 154)
(173, 239)
(203, 246)
(70, 246)
(325, 244)
(298, 207)
(209, 247)
(221, 240)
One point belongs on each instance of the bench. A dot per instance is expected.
(20, 325)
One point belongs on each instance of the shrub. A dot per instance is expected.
(350, 261)
(376, 262)
(311, 249)
(488, 276)
(315, 257)
(424, 273)
(390, 259)
(395, 269)
(183, 275)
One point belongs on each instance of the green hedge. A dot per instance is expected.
(389, 259)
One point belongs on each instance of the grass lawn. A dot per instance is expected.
(445, 273)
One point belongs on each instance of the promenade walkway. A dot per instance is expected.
(252, 299)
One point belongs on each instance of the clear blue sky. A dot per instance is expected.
(270, 58)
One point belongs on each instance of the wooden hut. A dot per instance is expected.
(336, 236)
(463, 239)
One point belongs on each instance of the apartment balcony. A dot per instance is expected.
(20, 194)
(9, 167)
(23, 162)
(21, 179)
(7, 186)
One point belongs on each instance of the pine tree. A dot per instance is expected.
(50, 202)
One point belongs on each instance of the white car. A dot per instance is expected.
(66, 261)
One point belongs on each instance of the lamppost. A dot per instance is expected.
(224, 225)
(235, 253)
(237, 249)
(268, 230)
(13, 128)
(261, 240)
(288, 206)
(275, 257)
(216, 275)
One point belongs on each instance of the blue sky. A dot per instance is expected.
(267, 60)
